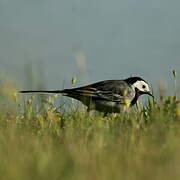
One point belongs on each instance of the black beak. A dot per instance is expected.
(149, 94)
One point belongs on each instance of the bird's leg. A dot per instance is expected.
(88, 109)
(105, 114)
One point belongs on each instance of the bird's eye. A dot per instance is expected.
(143, 86)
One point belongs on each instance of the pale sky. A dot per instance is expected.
(116, 38)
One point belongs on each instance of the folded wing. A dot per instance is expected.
(110, 90)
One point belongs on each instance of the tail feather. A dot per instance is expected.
(50, 92)
(74, 93)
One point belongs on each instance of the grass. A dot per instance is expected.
(39, 142)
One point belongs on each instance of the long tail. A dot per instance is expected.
(49, 92)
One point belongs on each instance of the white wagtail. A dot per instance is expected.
(106, 96)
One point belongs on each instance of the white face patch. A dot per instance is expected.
(142, 86)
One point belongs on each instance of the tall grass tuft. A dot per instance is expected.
(48, 143)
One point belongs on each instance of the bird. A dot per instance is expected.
(108, 96)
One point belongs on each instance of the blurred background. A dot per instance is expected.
(43, 44)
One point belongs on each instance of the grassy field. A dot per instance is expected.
(39, 142)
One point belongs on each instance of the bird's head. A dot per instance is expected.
(140, 85)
